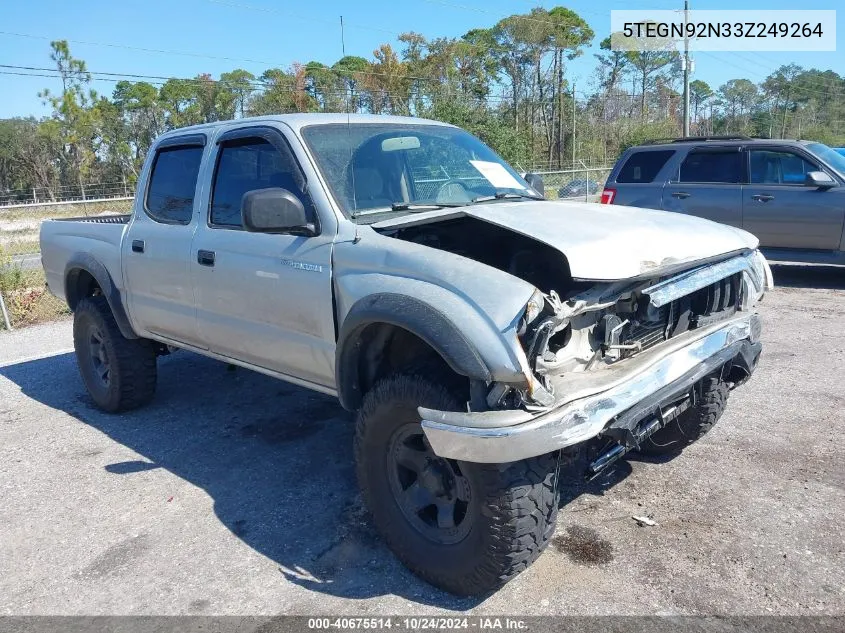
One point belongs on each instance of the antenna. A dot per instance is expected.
(349, 135)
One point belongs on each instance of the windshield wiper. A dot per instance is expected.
(507, 195)
(424, 206)
(413, 207)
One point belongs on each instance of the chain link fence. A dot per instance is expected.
(30, 304)
(66, 193)
(24, 298)
(583, 184)
(22, 286)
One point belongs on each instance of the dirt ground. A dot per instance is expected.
(234, 494)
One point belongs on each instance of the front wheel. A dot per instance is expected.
(119, 373)
(466, 528)
(712, 398)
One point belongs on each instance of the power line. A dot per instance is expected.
(293, 84)
(272, 66)
(258, 84)
(290, 83)
(141, 49)
(834, 93)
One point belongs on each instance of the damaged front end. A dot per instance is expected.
(612, 322)
(613, 359)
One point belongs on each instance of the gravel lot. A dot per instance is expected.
(234, 494)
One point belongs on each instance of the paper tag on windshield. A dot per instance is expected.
(496, 175)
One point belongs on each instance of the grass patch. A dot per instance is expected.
(10, 233)
(25, 292)
(23, 247)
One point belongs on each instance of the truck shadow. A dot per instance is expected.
(276, 460)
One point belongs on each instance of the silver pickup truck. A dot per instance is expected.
(490, 341)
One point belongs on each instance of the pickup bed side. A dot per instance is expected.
(82, 254)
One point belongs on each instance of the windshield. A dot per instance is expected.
(830, 156)
(393, 168)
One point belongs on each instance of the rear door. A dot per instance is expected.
(708, 184)
(156, 248)
(784, 213)
(265, 299)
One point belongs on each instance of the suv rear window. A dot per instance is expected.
(712, 166)
(643, 166)
(170, 196)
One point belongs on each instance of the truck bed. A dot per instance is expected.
(66, 239)
(98, 219)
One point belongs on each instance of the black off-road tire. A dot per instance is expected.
(512, 507)
(692, 423)
(130, 380)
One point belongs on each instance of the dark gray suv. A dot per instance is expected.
(790, 194)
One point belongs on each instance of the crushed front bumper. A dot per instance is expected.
(623, 395)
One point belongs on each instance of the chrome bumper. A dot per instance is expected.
(506, 436)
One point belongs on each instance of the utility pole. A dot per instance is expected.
(686, 66)
(573, 125)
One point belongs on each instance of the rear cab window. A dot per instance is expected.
(643, 166)
(173, 183)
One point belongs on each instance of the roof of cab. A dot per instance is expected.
(299, 120)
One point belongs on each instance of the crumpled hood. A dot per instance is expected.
(610, 242)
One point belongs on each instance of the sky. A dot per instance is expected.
(183, 38)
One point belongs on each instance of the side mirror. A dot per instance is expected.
(275, 210)
(819, 179)
(536, 182)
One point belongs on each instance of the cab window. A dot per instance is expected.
(245, 165)
(173, 182)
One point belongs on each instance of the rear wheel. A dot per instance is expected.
(712, 394)
(119, 373)
(466, 528)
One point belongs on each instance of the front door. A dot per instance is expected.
(264, 299)
(784, 213)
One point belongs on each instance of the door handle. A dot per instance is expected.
(205, 258)
(762, 197)
(137, 246)
(680, 194)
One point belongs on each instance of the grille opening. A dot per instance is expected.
(711, 304)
